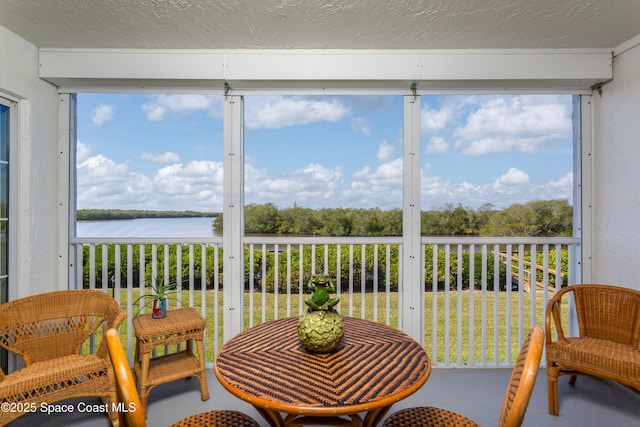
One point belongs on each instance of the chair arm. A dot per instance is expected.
(114, 317)
(553, 313)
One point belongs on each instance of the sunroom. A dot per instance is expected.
(56, 52)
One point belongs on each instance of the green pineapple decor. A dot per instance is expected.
(321, 328)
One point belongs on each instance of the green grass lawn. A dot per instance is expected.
(451, 347)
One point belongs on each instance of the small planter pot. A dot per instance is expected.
(159, 308)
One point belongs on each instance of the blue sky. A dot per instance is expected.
(143, 151)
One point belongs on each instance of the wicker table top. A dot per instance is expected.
(374, 367)
(179, 325)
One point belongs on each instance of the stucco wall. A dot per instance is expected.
(35, 208)
(616, 173)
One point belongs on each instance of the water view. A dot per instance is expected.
(148, 227)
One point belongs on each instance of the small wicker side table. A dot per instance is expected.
(179, 326)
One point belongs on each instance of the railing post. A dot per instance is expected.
(412, 286)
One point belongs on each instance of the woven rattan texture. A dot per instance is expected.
(612, 358)
(428, 416)
(268, 362)
(218, 419)
(48, 331)
(169, 368)
(523, 378)
(607, 341)
(178, 326)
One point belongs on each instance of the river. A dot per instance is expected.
(148, 227)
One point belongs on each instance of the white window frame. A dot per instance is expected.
(12, 291)
(233, 205)
(12, 104)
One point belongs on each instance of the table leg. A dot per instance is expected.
(204, 388)
(144, 377)
(374, 416)
(273, 417)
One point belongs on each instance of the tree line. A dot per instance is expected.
(115, 214)
(540, 218)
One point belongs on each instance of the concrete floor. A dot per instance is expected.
(476, 393)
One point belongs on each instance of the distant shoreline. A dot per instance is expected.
(122, 214)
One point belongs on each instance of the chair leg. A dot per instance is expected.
(112, 402)
(552, 386)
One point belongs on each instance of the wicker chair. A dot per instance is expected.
(135, 416)
(515, 403)
(607, 342)
(49, 332)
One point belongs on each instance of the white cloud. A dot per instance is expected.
(196, 185)
(274, 112)
(310, 186)
(561, 188)
(385, 174)
(104, 183)
(564, 184)
(512, 187)
(82, 152)
(515, 123)
(434, 120)
(315, 186)
(437, 145)
(513, 177)
(168, 157)
(155, 112)
(161, 105)
(381, 187)
(386, 151)
(102, 114)
(359, 124)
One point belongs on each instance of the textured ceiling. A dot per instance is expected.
(316, 24)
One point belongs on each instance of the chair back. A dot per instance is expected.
(131, 413)
(608, 312)
(523, 378)
(56, 324)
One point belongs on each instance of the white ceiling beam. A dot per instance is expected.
(250, 69)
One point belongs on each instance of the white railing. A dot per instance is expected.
(513, 279)
(341, 257)
(483, 327)
(116, 266)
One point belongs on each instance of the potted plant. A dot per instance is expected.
(321, 328)
(157, 295)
